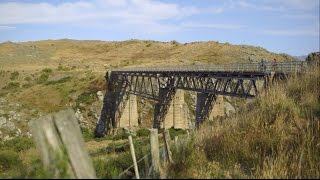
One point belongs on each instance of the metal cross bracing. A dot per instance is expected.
(230, 84)
(160, 84)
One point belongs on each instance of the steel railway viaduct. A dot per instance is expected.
(161, 83)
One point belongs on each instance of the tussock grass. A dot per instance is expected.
(275, 136)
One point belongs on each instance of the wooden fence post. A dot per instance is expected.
(167, 139)
(59, 140)
(134, 158)
(154, 141)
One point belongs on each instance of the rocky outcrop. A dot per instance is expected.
(3, 121)
(100, 95)
(80, 118)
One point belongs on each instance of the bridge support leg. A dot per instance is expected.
(217, 108)
(129, 116)
(177, 115)
(161, 108)
(205, 102)
(113, 104)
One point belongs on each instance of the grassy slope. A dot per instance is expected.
(275, 136)
(99, 55)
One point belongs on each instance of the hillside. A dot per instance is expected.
(99, 55)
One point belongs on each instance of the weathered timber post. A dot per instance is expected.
(155, 156)
(135, 165)
(167, 139)
(59, 140)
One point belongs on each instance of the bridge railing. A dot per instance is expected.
(294, 66)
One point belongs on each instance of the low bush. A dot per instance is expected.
(47, 70)
(87, 134)
(12, 86)
(143, 132)
(86, 98)
(43, 78)
(14, 75)
(9, 160)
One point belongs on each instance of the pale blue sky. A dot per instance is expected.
(281, 26)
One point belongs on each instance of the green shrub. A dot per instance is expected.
(86, 98)
(9, 160)
(17, 144)
(113, 166)
(43, 78)
(12, 86)
(35, 171)
(175, 132)
(60, 68)
(143, 132)
(47, 70)
(87, 134)
(26, 85)
(14, 75)
(122, 134)
(27, 78)
(107, 169)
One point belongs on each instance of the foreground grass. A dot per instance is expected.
(275, 136)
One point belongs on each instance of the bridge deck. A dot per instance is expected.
(266, 67)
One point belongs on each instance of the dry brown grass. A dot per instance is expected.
(276, 136)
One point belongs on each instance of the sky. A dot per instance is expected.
(280, 26)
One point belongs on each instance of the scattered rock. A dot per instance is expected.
(100, 95)
(80, 117)
(7, 138)
(11, 113)
(3, 121)
(28, 134)
(18, 132)
(2, 101)
(10, 126)
(16, 117)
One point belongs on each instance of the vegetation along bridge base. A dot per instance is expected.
(160, 85)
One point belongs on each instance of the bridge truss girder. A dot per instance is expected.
(161, 87)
